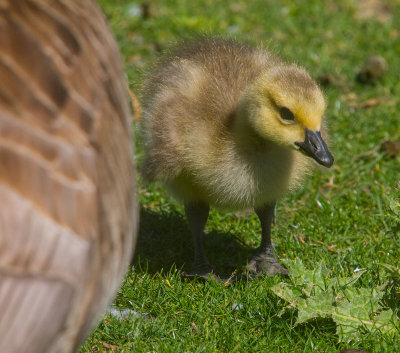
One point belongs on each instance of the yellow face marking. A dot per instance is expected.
(309, 118)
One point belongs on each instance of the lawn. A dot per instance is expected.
(347, 217)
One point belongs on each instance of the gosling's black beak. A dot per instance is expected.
(315, 147)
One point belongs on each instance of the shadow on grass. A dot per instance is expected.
(164, 241)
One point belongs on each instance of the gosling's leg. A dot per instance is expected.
(264, 260)
(197, 215)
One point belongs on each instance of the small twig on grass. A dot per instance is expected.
(329, 247)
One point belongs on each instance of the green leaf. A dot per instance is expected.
(284, 291)
(318, 306)
(317, 294)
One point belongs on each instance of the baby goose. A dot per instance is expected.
(224, 125)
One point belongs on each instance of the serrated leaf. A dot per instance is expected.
(296, 270)
(302, 277)
(346, 281)
(307, 288)
(320, 274)
(351, 313)
(348, 333)
(317, 295)
(361, 308)
(314, 307)
(386, 321)
(284, 291)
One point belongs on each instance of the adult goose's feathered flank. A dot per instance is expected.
(68, 210)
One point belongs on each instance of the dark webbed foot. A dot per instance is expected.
(205, 271)
(266, 262)
(225, 279)
(201, 270)
(201, 275)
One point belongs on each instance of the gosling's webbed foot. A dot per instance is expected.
(200, 270)
(205, 272)
(266, 262)
(202, 276)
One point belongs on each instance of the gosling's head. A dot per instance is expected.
(286, 106)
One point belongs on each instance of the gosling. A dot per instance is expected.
(231, 126)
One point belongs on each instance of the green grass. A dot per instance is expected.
(350, 207)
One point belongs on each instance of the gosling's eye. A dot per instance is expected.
(286, 114)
